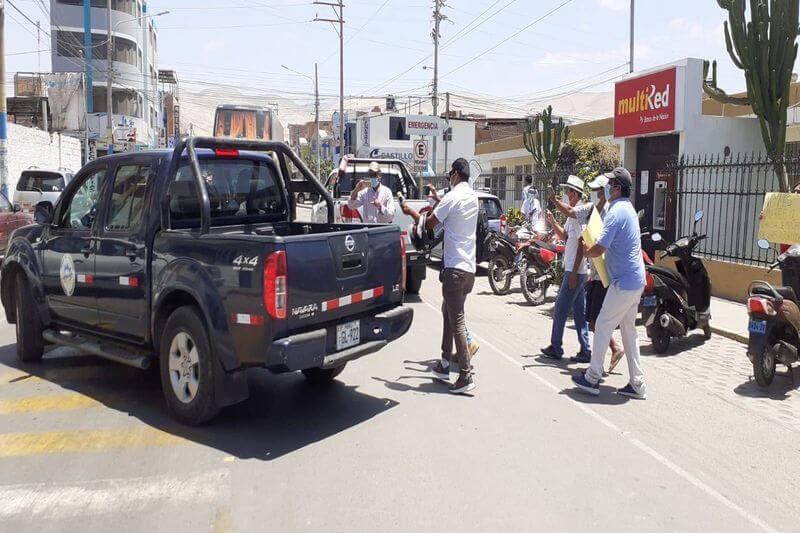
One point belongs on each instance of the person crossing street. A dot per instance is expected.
(620, 241)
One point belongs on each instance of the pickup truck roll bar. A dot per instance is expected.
(190, 144)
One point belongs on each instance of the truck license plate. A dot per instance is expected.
(649, 301)
(348, 335)
(758, 326)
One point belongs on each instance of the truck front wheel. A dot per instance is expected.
(30, 345)
(187, 368)
(322, 375)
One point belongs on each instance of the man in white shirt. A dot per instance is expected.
(458, 214)
(374, 198)
(531, 206)
(571, 294)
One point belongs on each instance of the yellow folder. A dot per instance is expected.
(590, 235)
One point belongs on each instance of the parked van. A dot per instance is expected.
(39, 185)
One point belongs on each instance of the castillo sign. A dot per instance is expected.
(646, 104)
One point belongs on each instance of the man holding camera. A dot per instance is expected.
(373, 197)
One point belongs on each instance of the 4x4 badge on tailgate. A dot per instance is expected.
(349, 243)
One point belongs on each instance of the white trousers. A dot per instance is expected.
(619, 309)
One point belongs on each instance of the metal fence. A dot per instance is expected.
(730, 190)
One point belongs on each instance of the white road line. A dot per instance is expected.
(50, 501)
(699, 484)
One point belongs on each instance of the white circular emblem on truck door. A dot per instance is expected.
(350, 243)
(67, 274)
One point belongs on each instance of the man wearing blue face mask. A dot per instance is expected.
(374, 198)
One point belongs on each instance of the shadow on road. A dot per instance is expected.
(283, 414)
(677, 346)
(780, 389)
(607, 396)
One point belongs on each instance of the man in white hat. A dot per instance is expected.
(373, 197)
(571, 294)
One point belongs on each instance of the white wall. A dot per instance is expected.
(31, 147)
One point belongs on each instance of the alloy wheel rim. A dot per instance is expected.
(184, 367)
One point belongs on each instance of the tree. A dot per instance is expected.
(589, 157)
(545, 145)
(765, 49)
(310, 159)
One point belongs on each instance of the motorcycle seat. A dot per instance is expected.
(667, 273)
(786, 292)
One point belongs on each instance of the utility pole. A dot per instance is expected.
(438, 17)
(446, 126)
(88, 56)
(3, 113)
(109, 83)
(340, 21)
(630, 63)
(316, 114)
(38, 48)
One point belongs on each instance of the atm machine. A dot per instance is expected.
(660, 198)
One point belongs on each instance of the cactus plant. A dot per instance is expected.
(765, 49)
(545, 145)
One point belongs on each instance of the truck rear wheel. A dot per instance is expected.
(30, 345)
(319, 376)
(413, 283)
(187, 368)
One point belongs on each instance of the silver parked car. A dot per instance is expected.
(40, 185)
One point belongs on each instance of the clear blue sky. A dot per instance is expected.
(580, 46)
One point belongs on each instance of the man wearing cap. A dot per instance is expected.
(374, 198)
(457, 212)
(571, 295)
(620, 241)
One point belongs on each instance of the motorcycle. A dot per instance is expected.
(774, 325)
(676, 302)
(505, 255)
(540, 269)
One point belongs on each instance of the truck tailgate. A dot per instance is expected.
(335, 275)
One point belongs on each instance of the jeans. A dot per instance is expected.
(574, 299)
(456, 285)
(619, 309)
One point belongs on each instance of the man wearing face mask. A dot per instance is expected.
(531, 206)
(620, 241)
(571, 294)
(374, 198)
(457, 212)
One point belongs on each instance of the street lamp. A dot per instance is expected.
(316, 106)
(110, 70)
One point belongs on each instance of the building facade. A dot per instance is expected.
(136, 105)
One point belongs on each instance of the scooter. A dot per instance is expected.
(676, 302)
(774, 325)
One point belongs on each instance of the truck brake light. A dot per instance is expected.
(222, 152)
(275, 286)
(403, 235)
(761, 306)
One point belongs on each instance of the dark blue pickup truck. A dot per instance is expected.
(193, 257)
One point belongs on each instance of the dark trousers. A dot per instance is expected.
(456, 285)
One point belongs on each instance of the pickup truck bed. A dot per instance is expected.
(196, 260)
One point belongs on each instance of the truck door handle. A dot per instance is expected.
(86, 251)
(132, 254)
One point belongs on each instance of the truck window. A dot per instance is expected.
(127, 197)
(241, 191)
(492, 208)
(40, 181)
(80, 210)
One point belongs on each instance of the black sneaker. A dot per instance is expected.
(440, 371)
(463, 384)
(551, 353)
(581, 357)
(630, 392)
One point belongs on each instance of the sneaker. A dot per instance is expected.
(583, 384)
(440, 371)
(630, 392)
(463, 384)
(581, 357)
(551, 353)
(473, 348)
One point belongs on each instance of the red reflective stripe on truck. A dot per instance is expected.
(355, 298)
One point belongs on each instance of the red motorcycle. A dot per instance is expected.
(539, 268)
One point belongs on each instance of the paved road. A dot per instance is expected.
(85, 444)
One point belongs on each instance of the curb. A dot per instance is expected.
(738, 337)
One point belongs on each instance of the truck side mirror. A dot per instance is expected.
(43, 214)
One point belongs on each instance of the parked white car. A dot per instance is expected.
(40, 185)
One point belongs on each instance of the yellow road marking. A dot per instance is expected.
(54, 402)
(21, 444)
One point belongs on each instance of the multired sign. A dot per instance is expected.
(646, 104)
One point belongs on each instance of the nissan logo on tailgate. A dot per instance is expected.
(350, 243)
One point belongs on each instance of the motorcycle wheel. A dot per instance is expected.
(535, 293)
(660, 338)
(764, 367)
(497, 281)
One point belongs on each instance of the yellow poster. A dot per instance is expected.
(780, 218)
(590, 235)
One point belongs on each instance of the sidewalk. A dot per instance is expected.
(729, 319)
